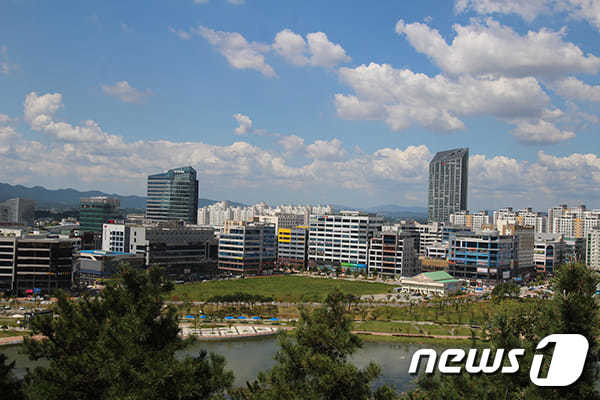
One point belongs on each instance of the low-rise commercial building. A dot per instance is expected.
(438, 283)
(393, 254)
(292, 247)
(549, 252)
(97, 264)
(485, 255)
(39, 263)
(183, 250)
(247, 248)
(341, 239)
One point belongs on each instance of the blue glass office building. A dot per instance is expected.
(173, 196)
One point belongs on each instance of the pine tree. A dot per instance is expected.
(120, 345)
(313, 362)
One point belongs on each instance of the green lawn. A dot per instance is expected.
(281, 288)
(397, 327)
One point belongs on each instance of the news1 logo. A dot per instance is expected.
(566, 365)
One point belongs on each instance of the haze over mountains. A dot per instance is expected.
(69, 198)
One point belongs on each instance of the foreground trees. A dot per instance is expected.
(10, 387)
(573, 309)
(120, 346)
(312, 363)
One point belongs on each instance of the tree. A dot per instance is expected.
(573, 309)
(506, 289)
(10, 387)
(313, 363)
(122, 345)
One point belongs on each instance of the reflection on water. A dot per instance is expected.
(246, 358)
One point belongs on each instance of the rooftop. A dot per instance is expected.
(450, 154)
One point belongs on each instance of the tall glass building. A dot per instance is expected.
(448, 184)
(95, 211)
(173, 196)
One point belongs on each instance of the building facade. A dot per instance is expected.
(17, 211)
(247, 248)
(292, 247)
(592, 250)
(548, 252)
(184, 251)
(448, 184)
(8, 257)
(485, 255)
(574, 222)
(35, 263)
(471, 221)
(342, 239)
(173, 196)
(96, 264)
(393, 254)
(96, 211)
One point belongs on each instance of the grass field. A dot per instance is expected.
(281, 288)
(397, 327)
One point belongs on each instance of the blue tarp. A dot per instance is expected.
(255, 317)
(242, 317)
(190, 316)
(229, 317)
(202, 316)
(273, 319)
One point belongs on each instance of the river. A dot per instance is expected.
(246, 358)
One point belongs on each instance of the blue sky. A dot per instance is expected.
(331, 102)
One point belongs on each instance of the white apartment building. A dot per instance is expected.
(218, 213)
(342, 238)
(394, 254)
(524, 217)
(592, 251)
(471, 221)
(574, 222)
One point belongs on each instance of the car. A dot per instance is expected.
(21, 308)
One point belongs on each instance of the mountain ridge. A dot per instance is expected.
(69, 198)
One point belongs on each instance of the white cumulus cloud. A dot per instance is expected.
(326, 150)
(402, 98)
(492, 48)
(316, 50)
(573, 88)
(240, 53)
(245, 124)
(587, 10)
(125, 92)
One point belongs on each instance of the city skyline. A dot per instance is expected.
(270, 103)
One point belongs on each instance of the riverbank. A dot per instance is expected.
(16, 340)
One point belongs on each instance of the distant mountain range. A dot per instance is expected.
(69, 198)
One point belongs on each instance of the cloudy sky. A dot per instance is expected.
(304, 101)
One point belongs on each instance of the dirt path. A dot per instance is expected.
(418, 335)
(9, 341)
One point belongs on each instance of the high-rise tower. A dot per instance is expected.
(448, 184)
(173, 196)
